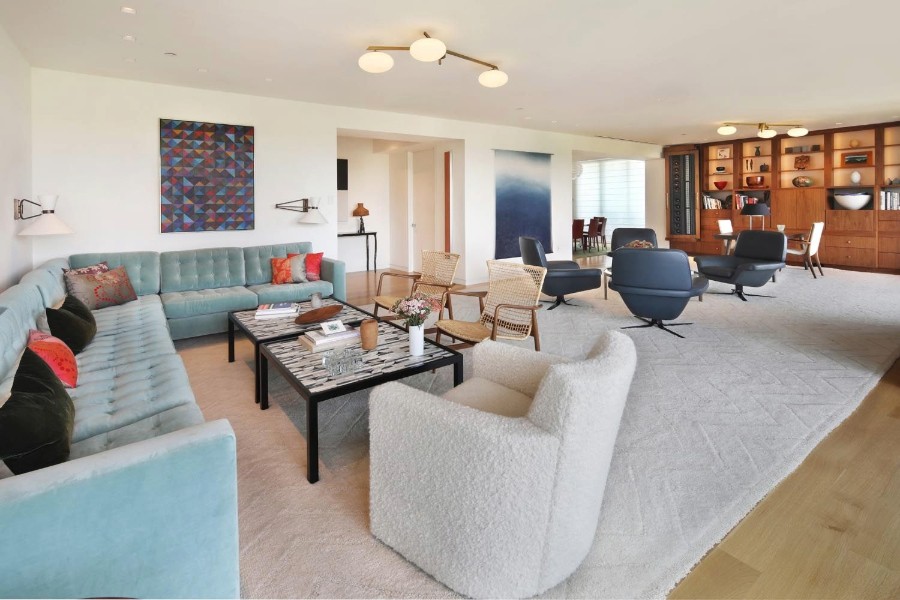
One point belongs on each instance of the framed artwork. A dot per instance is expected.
(206, 176)
(856, 158)
(522, 186)
(723, 152)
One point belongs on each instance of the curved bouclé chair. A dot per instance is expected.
(563, 276)
(757, 256)
(655, 284)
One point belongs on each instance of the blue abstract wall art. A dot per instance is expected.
(523, 200)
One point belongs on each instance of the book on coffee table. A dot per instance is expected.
(277, 310)
(318, 341)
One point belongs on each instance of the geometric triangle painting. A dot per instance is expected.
(206, 176)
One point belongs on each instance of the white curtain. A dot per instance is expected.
(613, 189)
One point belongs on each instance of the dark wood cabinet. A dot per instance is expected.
(683, 193)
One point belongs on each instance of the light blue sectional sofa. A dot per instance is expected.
(146, 505)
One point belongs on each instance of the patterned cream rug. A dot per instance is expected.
(713, 422)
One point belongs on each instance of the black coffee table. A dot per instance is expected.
(389, 361)
(267, 330)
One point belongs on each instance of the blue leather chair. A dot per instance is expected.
(757, 256)
(563, 276)
(655, 284)
(624, 235)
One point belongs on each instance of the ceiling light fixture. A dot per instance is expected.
(128, 38)
(427, 49)
(764, 130)
(128, 10)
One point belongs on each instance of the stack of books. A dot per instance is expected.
(278, 310)
(319, 341)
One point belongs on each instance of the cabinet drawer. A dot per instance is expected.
(889, 260)
(850, 257)
(889, 226)
(850, 220)
(848, 241)
(888, 244)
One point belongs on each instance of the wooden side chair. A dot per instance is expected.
(810, 249)
(592, 237)
(435, 280)
(602, 231)
(508, 310)
(577, 233)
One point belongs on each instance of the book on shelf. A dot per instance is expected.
(890, 200)
(317, 341)
(277, 309)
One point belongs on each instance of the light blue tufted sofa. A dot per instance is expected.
(146, 505)
(198, 288)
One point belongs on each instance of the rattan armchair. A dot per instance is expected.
(435, 280)
(508, 309)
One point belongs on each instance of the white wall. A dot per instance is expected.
(655, 198)
(15, 159)
(400, 175)
(96, 143)
(368, 182)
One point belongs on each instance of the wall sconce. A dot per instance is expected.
(48, 224)
(311, 214)
(361, 211)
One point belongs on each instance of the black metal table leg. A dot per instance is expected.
(262, 380)
(367, 252)
(457, 373)
(375, 259)
(312, 441)
(230, 340)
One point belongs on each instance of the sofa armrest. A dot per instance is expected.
(335, 271)
(520, 369)
(451, 485)
(153, 519)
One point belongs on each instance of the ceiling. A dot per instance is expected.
(652, 71)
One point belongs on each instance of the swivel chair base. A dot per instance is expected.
(559, 300)
(740, 293)
(657, 323)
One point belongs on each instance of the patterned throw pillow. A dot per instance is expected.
(100, 290)
(314, 266)
(101, 267)
(639, 244)
(56, 354)
(298, 268)
(281, 271)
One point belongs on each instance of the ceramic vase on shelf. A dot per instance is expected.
(855, 177)
(416, 340)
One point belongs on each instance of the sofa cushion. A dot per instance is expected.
(103, 289)
(19, 307)
(120, 395)
(209, 268)
(142, 267)
(36, 421)
(290, 292)
(208, 301)
(487, 396)
(72, 323)
(167, 421)
(256, 259)
(146, 312)
(125, 346)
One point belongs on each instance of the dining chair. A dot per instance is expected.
(810, 248)
(577, 233)
(602, 231)
(593, 234)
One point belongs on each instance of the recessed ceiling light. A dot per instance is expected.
(128, 10)
(170, 54)
(527, 118)
(553, 121)
(129, 60)
(128, 38)
(268, 79)
(838, 123)
(520, 108)
(202, 70)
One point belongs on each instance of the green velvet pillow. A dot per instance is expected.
(73, 323)
(36, 422)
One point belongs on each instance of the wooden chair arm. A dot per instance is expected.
(413, 276)
(512, 306)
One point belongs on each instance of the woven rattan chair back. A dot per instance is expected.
(438, 271)
(512, 283)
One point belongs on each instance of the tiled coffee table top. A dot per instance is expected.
(262, 329)
(390, 356)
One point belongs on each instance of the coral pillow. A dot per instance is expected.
(99, 290)
(56, 354)
(314, 266)
(281, 269)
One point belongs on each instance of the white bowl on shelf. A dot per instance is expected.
(852, 201)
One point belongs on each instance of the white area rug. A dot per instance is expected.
(713, 422)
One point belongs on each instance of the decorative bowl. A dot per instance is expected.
(852, 201)
(755, 180)
(720, 185)
(802, 181)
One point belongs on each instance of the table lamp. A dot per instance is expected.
(361, 211)
(756, 210)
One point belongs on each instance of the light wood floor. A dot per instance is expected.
(830, 530)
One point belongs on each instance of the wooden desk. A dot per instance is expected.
(366, 235)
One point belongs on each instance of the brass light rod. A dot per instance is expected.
(449, 51)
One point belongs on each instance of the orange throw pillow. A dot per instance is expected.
(56, 354)
(281, 270)
(314, 266)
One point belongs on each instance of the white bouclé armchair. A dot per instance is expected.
(495, 488)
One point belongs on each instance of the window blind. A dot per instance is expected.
(611, 188)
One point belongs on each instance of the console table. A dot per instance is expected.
(366, 235)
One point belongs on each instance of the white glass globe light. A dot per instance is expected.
(797, 131)
(493, 78)
(428, 49)
(726, 130)
(376, 62)
(767, 133)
